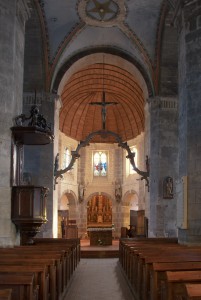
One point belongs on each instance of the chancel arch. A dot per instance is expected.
(68, 203)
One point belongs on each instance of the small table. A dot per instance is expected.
(100, 236)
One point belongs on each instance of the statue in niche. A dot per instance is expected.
(118, 191)
(168, 188)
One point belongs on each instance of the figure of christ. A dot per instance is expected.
(103, 104)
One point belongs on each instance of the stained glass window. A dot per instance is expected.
(100, 163)
(67, 158)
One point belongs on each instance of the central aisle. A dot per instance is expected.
(99, 279)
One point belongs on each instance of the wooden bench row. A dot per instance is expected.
(39, 272)
(161, 268)
(5, 294)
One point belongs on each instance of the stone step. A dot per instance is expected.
(99, 254)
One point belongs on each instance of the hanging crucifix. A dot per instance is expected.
(103, 104)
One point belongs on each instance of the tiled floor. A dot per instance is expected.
(98, 279)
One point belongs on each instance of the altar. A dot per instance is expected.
(100, 236)
(99, 220)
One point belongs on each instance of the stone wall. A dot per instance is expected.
(13, 14)
(34, 54)
(189, 32)
(39, 160)
(163, 164)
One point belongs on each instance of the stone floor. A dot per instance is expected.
(99, 279)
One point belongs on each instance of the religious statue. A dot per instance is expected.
(118, 191)
(34, 120)
(168, 188)
(81, 189)
(103, 105)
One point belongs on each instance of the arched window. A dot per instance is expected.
(100, 163)
(67, 157)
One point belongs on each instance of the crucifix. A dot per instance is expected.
(103, 104)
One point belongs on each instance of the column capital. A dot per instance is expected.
(163, 103)
(30, 98)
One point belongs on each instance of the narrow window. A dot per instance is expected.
(100, 163)
(67, 158)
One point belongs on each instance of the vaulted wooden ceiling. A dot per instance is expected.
(130, 30)
(78, 118)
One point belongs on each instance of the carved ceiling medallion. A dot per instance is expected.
(102, 10)
(104, 13)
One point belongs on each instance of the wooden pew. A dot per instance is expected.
(59, 256)
(193, 291)
(173, 287)
(50, 263)
(65, 253)
(5, 294)
(137, 258)
(41, 276)
(132, 260)
(67, 265)
(13, 253)
(70, 245)
(75, 243)
(148, 260)
(22, 286)
(157, 274)
(133, 266)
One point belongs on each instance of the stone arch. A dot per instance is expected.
(130, 202)
(132, 199)
(68, 199)
(107, 50)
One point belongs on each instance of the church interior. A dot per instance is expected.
(100, 145)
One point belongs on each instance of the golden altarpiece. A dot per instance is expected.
(99, 220)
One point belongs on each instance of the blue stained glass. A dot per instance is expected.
(100, 164)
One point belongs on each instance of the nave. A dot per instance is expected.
(99, 279)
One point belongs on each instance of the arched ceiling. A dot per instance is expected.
(133, 28)
(78, 118)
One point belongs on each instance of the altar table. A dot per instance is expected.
(100, 236)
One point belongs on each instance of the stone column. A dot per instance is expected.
(188, 22)
(163, 164)
(147, 152)
(55, 199)
(39, 160)
(13, 14)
